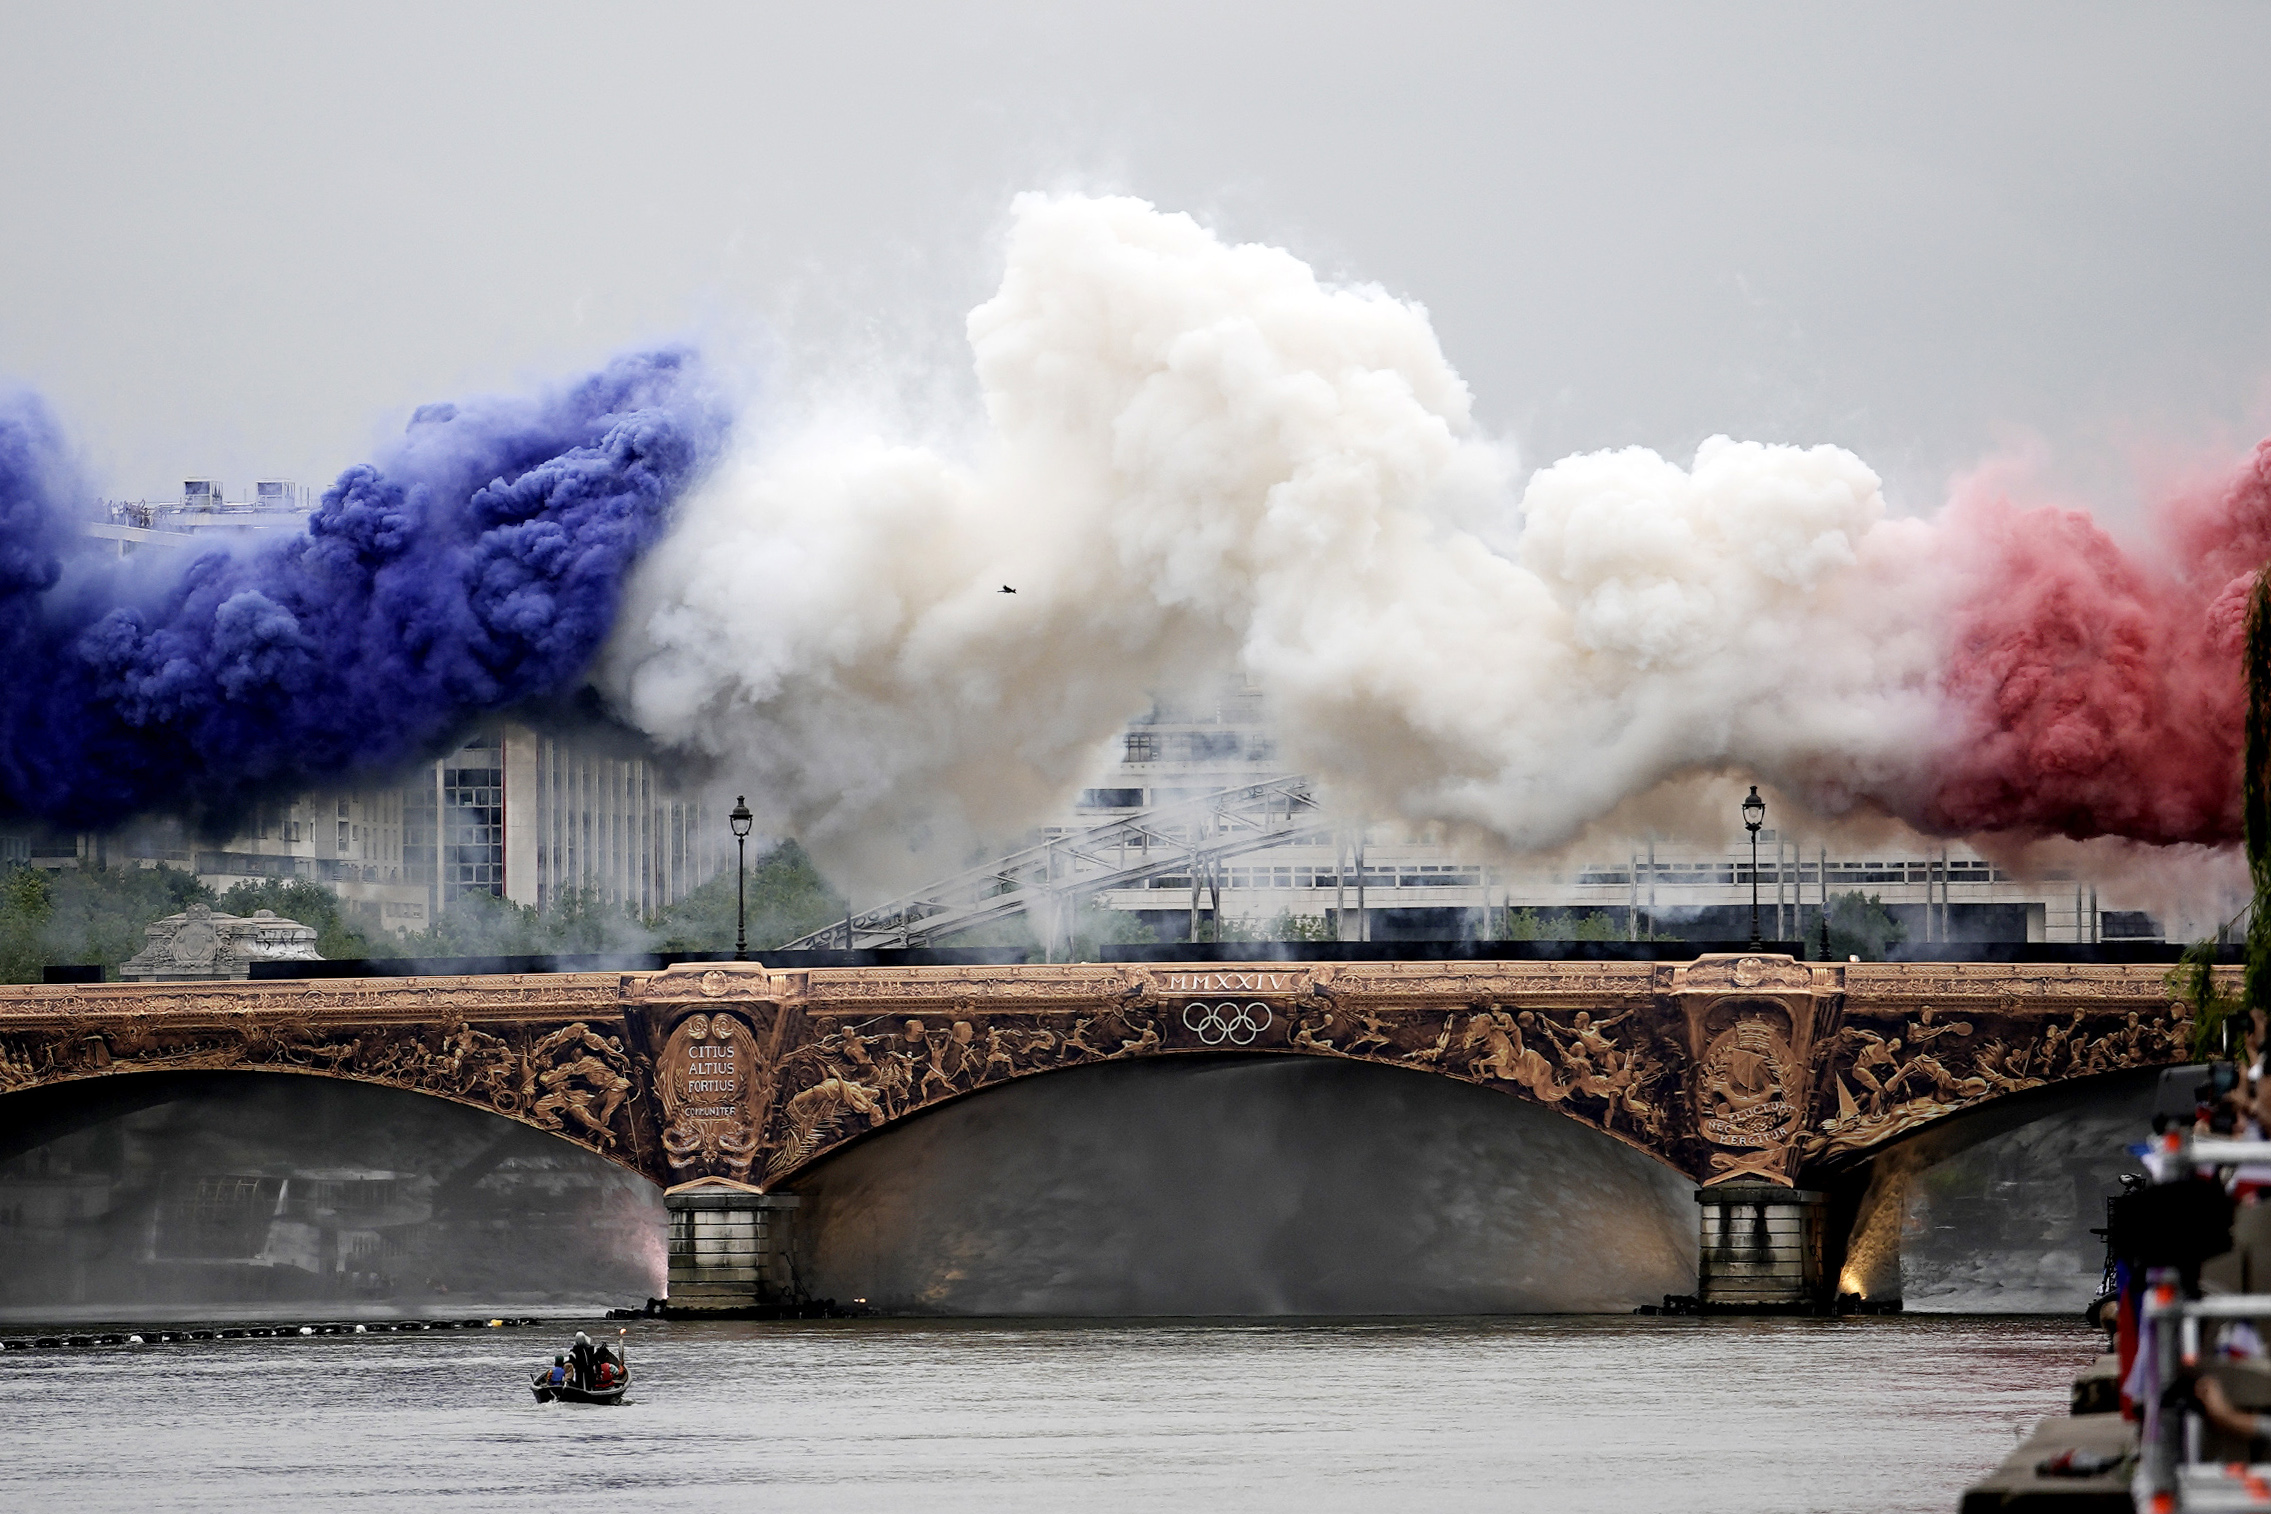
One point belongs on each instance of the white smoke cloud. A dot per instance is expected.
(1197, 458)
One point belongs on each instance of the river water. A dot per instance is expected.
(1568, 1413)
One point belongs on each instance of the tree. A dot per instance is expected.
(2194, 978)
(1529, 925)
(1286, 925)
(2255, 794)
(25, 905)
(575, 922)
(787, 898)
(86, 916)
(1861, 926)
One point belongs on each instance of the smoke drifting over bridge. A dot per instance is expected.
(1199, 459)
(1195, 459)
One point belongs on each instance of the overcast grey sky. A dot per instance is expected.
(244, 239)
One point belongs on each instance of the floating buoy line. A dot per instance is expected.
(250, 1332)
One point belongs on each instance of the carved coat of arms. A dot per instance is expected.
(1743, 1089)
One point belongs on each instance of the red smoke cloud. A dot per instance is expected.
(2099, 692)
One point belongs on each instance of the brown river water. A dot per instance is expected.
(1561, 1413)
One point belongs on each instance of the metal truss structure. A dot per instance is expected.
(1051, 878)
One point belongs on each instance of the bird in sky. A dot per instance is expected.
(1006, 589)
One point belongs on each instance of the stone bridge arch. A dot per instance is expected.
(16, 1130)
(867, 1050)
(1739, 1069)
(1866, 1190)
(538, 1051)
(1729, 1068)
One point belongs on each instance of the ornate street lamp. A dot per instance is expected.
(741, 820)
(1754, 816)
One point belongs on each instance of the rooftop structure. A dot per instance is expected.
(204, 512)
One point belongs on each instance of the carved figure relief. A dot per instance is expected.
(1731, 1065)
(1501, 1052)
(16, 1068)
(575, 1080)
(1933, 1067)
(1597, 1067)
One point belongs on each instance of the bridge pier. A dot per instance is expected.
(1762, 1248)
(729, 1248)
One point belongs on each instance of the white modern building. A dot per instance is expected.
(511, 813)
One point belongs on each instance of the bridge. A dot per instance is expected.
(1778, 1086)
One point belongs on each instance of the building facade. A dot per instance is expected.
(1391, 881)
(511, 813)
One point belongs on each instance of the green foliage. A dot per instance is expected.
(313, 905)
(1563, 925)
(86, 915)
(787, 898)
(25, 905)
(1285, 925)
(1098, 926)
(1860, 926)
(2193, 980)
(578, 922)
(74, 916)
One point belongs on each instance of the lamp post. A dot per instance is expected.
(741, 820)
(1754, 816)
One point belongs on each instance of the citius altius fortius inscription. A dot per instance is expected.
(706, 1074)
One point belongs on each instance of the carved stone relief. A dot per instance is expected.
(707, 1079)
(1890, 1075)
(1743, 1065)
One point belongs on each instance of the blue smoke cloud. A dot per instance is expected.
(477, 564)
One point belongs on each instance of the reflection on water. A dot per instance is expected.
(1565, 1414)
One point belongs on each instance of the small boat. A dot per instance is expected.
(569, 1393)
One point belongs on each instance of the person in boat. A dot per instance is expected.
(558, 1376)
(607, 1368)
(583, 1357)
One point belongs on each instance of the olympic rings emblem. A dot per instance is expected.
(1217, 1023)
